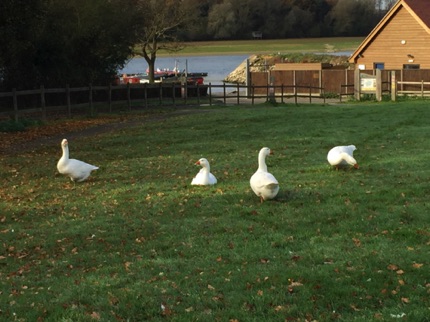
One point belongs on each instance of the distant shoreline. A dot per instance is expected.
(271, 46)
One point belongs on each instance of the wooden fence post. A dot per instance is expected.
(253, 93)
(185, 90)
(357, 84)
(224, 93)
(173, 94)
(128, 96)
(378, 85)
(69, 106)
(110, 97)
(15, 105)
(90, 99)
(282, 93)
(198, 93)
(43, 102)
(295, 93)
(238, 96)
(393, 86)
(210, 94)
(145, 87)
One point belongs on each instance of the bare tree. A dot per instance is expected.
(161, 19)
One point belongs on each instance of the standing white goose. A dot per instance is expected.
(341, 156)
(263, 183)
(204, 177)
(77, 170)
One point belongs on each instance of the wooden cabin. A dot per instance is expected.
(401, 40)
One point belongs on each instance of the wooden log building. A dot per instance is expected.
(401, 40)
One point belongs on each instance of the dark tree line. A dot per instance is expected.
(75, 42)
(277, 19)
(59, 42)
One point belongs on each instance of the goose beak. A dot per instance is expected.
(197, 163)
(356, 166)
(271, 152)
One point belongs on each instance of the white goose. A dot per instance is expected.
(77, 170)
(204, 177)
(263, 183)
(341, 156)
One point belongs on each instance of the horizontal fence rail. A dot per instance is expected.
(67, 101)
(414, 88)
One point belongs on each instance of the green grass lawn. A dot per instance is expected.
(347, 245)
(268, 46)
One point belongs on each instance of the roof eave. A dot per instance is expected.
(366, 41)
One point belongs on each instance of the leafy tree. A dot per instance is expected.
(20, 22)
(58, 42)
(353, 17)
(161, 21)
(222, 21)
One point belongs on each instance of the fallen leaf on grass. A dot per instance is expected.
(354, 308)
(393, 267)
(165, 310)
(127, 266)
(95, 316)
(405, 300)
(357, 242)
(417, 265)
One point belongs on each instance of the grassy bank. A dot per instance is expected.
(137, 242)
(269, 46)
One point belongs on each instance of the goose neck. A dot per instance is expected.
(65, 152)
(262, 162)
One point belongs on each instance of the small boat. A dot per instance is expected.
(164, 75)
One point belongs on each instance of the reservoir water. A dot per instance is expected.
(218, 67)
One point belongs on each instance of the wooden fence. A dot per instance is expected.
(66, 102)
(340, 81)
(414, 88)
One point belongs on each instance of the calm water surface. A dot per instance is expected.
(217, 67)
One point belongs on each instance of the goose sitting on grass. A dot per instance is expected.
(204, 177)
(78, 171)
(263, 183)
(341, 156)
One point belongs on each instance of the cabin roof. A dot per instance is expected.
(419, 10)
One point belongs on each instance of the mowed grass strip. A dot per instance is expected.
(137, 242)
(268, 46)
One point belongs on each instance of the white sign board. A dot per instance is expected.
(367, 83)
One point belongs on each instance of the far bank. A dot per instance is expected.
(267, 46)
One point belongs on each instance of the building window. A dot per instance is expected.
(378, 65)
(411, 66)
